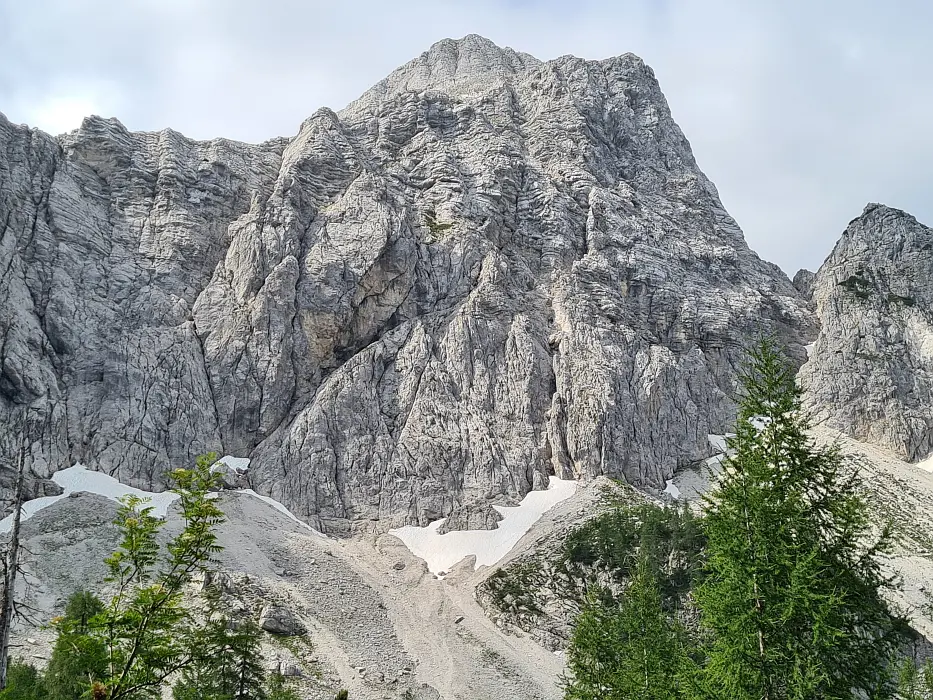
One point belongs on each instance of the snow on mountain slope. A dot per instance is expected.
(80, 479)
(442, 551)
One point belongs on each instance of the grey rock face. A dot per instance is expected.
(486, 270)
(472, 516)
(803, 282)
(229, 477)
(870, 373)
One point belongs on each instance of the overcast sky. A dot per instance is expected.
(801, 111)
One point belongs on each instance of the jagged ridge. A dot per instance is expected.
(870, 373)
(485, 270)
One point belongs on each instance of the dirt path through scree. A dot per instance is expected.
(457, 649)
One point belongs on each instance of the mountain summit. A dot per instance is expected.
(870, 374)
(487, 270)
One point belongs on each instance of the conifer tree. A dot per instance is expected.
(24, 682)
(632, 650)
(78, 658)
(228, 665)
(790, 597)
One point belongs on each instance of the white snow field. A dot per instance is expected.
(238, 464)
(926, 464)
(718, 442)
(441, 552)
(281, 508)
(671, 488)
(79, 478)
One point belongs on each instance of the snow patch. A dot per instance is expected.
(78, 478)
(30, 508)
(926, 464)
(237, 464)
(809, 348)
(718, 442)
(441, 552)
(672, 489)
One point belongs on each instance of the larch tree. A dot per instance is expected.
(791, 594)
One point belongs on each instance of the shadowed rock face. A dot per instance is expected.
(870, 373)
(486, 270)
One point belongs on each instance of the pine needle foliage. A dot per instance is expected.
(78, 658)
(227, 665)
(790, 598)
(24, 682)
(915, 682)
(632, 650)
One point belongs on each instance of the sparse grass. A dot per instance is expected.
(513, 587)
(857, 284)
(435, 228)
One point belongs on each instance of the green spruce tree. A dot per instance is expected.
(790, 599)
(632, 650)
(23, 682)
(78, 657)
(228, 665)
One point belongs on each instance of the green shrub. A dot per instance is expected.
(23, 681)
(857, 284)
(671, 539)
(435, 227)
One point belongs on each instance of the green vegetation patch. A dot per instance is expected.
(898, 299)
(435, 228)
(857, 284)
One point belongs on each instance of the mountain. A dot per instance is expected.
(870, 372)
(486, 270)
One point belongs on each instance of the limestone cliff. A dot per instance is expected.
(486, 270)
(870, 372)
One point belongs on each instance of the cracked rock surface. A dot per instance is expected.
(870, 373)
(486, 270)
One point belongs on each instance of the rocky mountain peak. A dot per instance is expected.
(803, 282)
(456, 67)
(871, 370)
(487, 270)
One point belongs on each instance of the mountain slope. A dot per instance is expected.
(486, 270)
(870, 373)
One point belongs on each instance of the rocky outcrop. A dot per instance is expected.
(279, 620)
(803, 283)
(472, 516)
(870, 372)
(486, 270)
